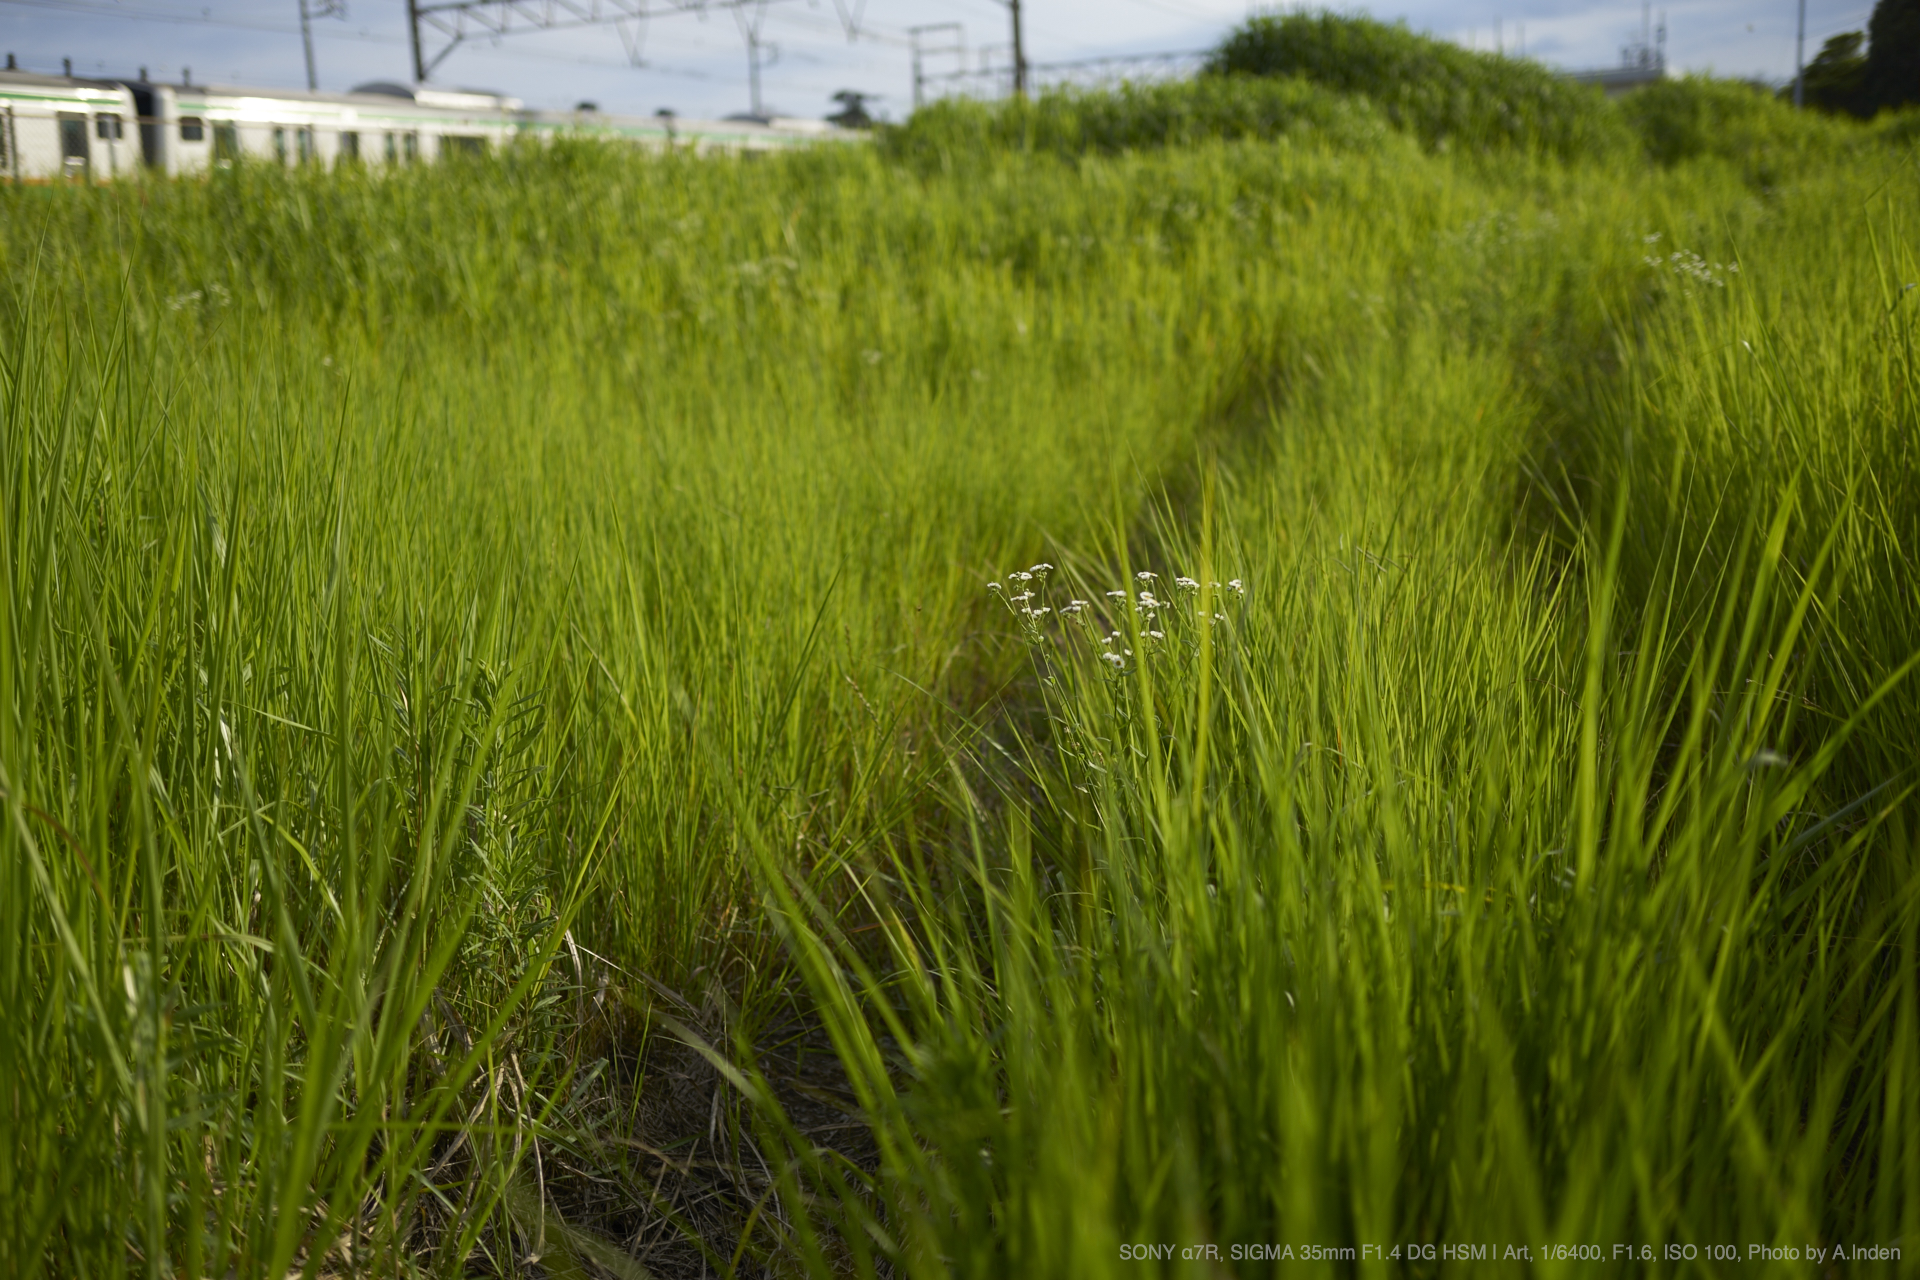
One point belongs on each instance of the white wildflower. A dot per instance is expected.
(1116, 595)
(1186, 584)
(1158, 635)
(1041, 568)
(993, 586)
(1018, 576)
(1144, 576)
(1237, 585)
(1114, 658)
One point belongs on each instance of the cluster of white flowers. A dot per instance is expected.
(1021, 602)
(1690, 266)
(215, 294)
(1156, 615)
(751, 270)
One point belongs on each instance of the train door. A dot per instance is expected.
(147, 112)
(76, 156)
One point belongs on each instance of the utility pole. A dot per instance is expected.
(753, 70)
(1800, 61)
(309, 10)
(413, 29)
(1020, 52)
(955, 46)
(306, 39)
(750, 29)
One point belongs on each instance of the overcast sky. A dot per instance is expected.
(697, 64)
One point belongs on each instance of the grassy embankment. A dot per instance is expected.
(447, 674)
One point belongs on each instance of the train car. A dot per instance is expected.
(54, 127)
(740, 133)
(189, 128)
(60, 126)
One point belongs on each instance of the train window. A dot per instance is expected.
(303, 144)
(107, 126)
(193, 129)
(226, 142)
(349, 146)
(460, 144)
(280, 145)
(393, 150)
(410, 147)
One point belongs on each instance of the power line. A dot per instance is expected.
(148, 15)
(365, 37)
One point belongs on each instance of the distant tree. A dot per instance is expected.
(1892, 76)
(853, 109)
(1836, 78)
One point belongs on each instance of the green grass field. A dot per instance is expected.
(1247, 672)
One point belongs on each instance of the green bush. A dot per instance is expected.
(1445, 95)
(1682, 119)
(1138, 116)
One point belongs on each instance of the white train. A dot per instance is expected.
(67, 127)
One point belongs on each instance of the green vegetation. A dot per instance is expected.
(1131, 117)
(1836, 78)
(1445, 95)
(1696, 116)
(1891, 77)
(1886, 76)
(513, 765)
